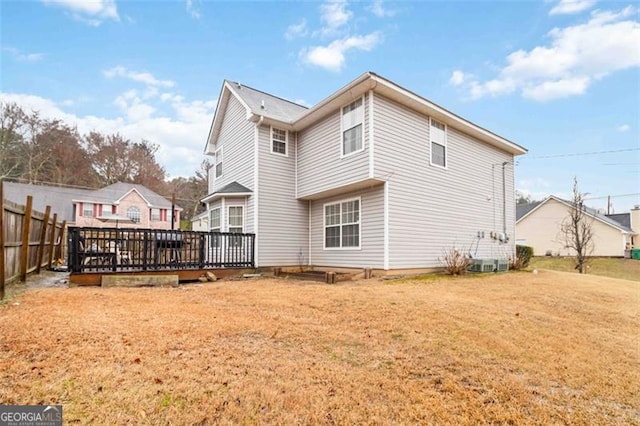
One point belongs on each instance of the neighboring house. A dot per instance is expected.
(372, 176)
(143, 207)
(538, 225)
(85, 207)
(200, 222)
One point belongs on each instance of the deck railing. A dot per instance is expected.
(134, 249)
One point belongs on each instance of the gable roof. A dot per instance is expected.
(295, 117)
(58, 197)
(233, 189)
(623, 219)
(591, 212)
(113, 193)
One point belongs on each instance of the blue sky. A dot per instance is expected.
(561, 78)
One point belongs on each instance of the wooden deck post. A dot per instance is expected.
(52, 239)
(1, 240)
(43, 237)
(26, 228)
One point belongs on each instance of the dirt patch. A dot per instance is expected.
(508, 349)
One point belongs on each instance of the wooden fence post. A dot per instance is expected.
(43, 237)
(26, 228)
(52, 239)
(1, 240)
(63, 226)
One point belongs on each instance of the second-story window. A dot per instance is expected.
(87, 209)
(438, 136)
(133, 213)
(218, 162)
(278, 141)
(352, 124)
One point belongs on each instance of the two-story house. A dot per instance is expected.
(372, 176)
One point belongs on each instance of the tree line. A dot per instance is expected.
(36, 150)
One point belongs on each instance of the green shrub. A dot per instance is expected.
(524, 255)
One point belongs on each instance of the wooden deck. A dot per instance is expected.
(95, 278)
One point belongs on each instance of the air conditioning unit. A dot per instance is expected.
(501, 265)
(483, 265)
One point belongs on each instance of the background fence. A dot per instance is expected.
(29, 240)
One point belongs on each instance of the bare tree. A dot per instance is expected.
(577, 229)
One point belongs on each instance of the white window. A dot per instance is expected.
(133, 213)
(155, 214)
(342, 224)
(352, 124)
(279, 141)
(218, 162)
(438, 136)
(214, 220)
(236, 219)
(236, 222)
(106, 209)
(87, 209)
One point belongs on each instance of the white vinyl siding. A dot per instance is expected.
(352, 127)
(279, 141)
(438, 136)
(321, 166)
(283, 220)
(238, 142)
(342, 224)
(371, 231)
(431, 208)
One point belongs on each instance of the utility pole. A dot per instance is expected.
(173, 211)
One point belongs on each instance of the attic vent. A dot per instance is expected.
(239, 85)
(262, 104)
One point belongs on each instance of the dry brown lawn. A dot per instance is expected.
(517, 348)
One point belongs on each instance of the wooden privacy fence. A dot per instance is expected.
(29, 240)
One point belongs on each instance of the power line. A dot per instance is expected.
(577, 154)
(613, 196)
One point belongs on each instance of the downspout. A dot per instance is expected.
(256, 180)
(504, 199)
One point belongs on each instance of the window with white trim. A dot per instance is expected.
(218, 162)
(342, 224)
(352, 127)
(236, 219)
(279, 139)
(106, 209)
(155, 214)
(87, 209)
(133, 213)
(214, 220)
(438, 136)
(236, 225)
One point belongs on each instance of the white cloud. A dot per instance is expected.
(565, 7)
(296, 30)
(140, 77)
(332, 57)
(623, 128)
(91, 12)
(18, 55)
(180, 135)
(576, 57)
(457, 78)
(334, 15)
(380, 11)
(193, 7)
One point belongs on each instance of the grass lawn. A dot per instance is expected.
(628, 269)
(516, 348)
